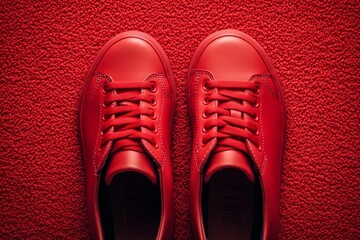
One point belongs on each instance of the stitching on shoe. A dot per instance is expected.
(196, 150)
(161, 77)
(90, 95)
(250, 146)
(197, 73)
(149, 147)
(263, 78)
(96, 167)
(262, 142)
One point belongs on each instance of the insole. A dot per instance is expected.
(230, 206)
(135, 205)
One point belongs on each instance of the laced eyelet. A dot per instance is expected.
(257, 133)
(256, 105)
(104, 118)
(155, 145)
(259, 148)
(204, 130)
(104, 91)
(104, 105)
(257, 89)
(101, 133)
(205, 115)
(154, 130)
(153, 88)
(206, 101)
(153, 115)
(153, 101)
(202, 144)
(256, 118)
(206, 85)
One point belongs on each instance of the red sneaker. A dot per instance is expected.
(126, 114)
(237, 113)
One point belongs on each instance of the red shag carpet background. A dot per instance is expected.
(47, 47)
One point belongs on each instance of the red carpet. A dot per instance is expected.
(47, 48)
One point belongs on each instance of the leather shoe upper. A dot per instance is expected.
(236, 109)
(126, 114)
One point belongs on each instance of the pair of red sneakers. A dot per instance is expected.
(126, 118)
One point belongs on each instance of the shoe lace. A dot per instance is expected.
(234, 100)
(123, 117)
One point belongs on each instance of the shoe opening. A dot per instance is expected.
(130, 207)
(232, 206)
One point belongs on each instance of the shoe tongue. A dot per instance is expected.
(130, 161)
(229, 159)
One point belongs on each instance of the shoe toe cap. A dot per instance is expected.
(130, 59)
(231, 58)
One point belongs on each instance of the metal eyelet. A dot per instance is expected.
(205, 86)
(153, 101)
(153, 115)
(205, 115)
(155, 130)
(153, 88)
(206, 101)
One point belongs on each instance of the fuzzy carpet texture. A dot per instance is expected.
(47, 47)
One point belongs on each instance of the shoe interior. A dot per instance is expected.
(130, 207)
(232, 206)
